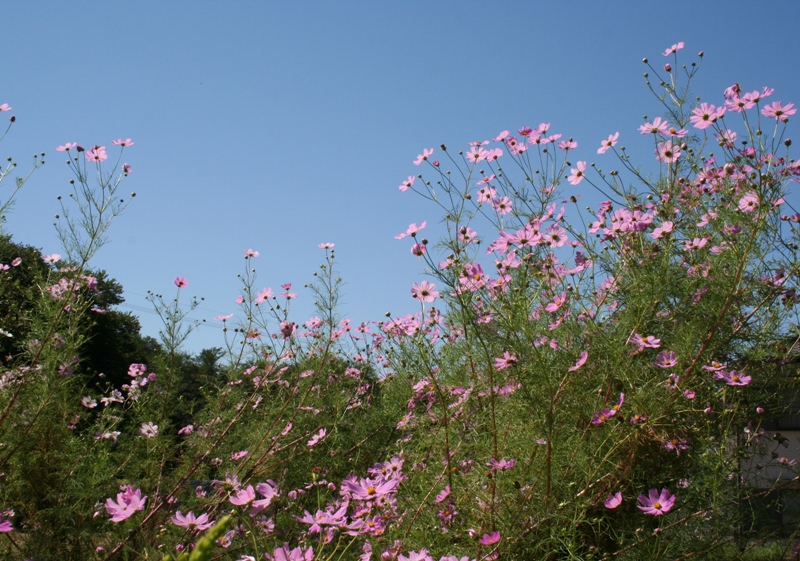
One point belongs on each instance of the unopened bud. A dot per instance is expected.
(668, 67)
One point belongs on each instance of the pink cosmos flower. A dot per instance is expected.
(424, 156)
(749, 202)
(250, 253)
(16, 262)
(180, 282)
(317, 438)
(655, 503)
(326, 245)
(577, 174)
(648, 341)
(504, 362)
(666, 359)
(5, 526)
(97, 154)
(424, 292)
(705, 115)
(223, 318)
(192, 522)
(614, 500)
(53, 258)
(411, 230)
(120, 142)
(406, 185)
(67, 146)
(443, 494)
(608, 143)
(283, 553)
(369, 489)
(734, 378)
(149, 430)
(581, 361)
(778, 111)
(658, 126)
(128, 502)
(421, 555)
(674, 49)
(418, 249)
(243, 496)
(263, 295)
(667, 152)
(490, 539)
(5, 107)
(665, 228)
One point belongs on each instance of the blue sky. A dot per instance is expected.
(277, 126)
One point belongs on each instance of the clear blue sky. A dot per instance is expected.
(277, 126)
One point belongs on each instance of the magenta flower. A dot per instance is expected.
(614, 500)
(490, 539)
(5, 526)
(655, 503)
(180, 282)
(128, 502)
(418, 249)
(502, 464)
(577, 174)
(424, 292)
(192, 522)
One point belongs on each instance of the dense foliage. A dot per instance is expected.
(580, 382)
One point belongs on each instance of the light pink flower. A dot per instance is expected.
(406, 185)
(674, 49)
(411, 230)
(66, 146)
(424, 156)
(749, 202)
(658, 126)
(326, 245)
(705, 115)
(667, 152)
(180, 282)
(577, 174)
(97, 154)
(608, 143)
(263, 295)
(192, 522)
(250, 253)
(128, 502)
(121, 142)
(778, 111)
(424, 292)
